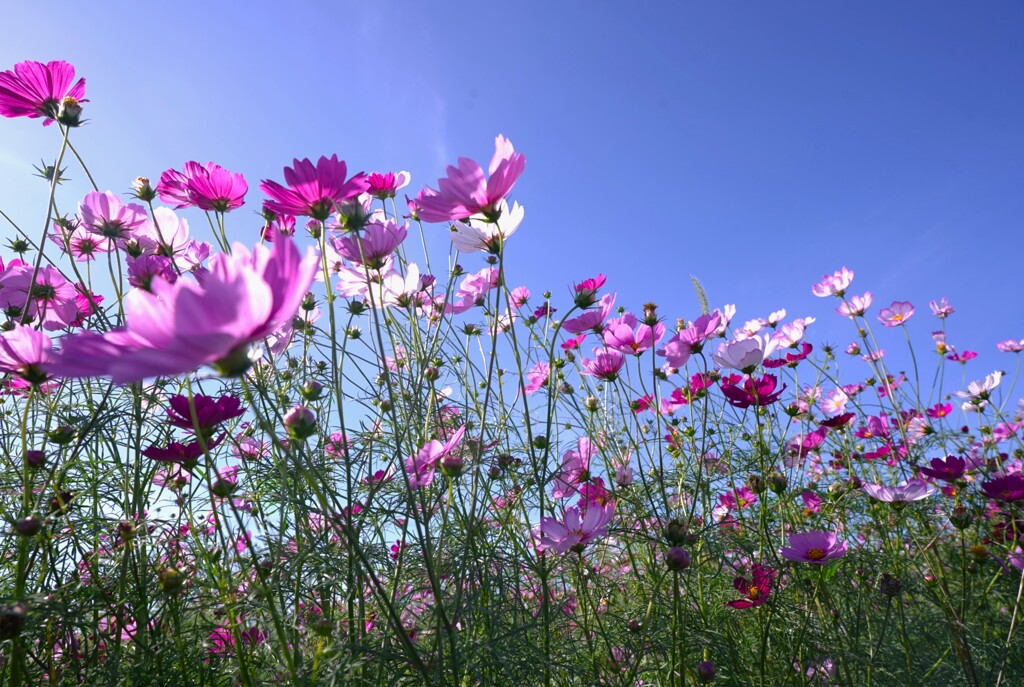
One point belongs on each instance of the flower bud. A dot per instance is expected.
(960, 517)
(452, 465)
(70, 112)
(61, 435)
(756, 484)
(777, 482)
(311, 390)
(143, 189)
(12, 620)
(126, 530)
(706, 671)
(540, 442)
(676, 532)
(677, 558)
(300, 422)
(171, 579)
(35, 459)
(889, 585)
(28, 526)
(431, 374)
(650, 314)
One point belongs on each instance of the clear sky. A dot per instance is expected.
(756, 145)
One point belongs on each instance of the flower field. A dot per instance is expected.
(318, 455)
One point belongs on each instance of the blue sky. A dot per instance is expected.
(755, 145)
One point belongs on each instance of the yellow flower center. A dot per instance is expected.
(815, 554)
(753, 593)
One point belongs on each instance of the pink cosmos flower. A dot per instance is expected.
(537, 377)
(856, 306)
(373, 244)
(575, 531)
(51, 299)
(187, 455)
(591, 320)
(106, 215)
(744, 355)
(813, 547)
(896, 314)
(178, 327)
(34, 89)
(145, 268)
(382, 186)
(605, 365)
(626, 335)
(313, 191)
(465, 192)
(834, 284)
(756, 590)
(586, 291)
(1011, 346)
(901, 494)
(473, 289)
(941, 309)
(691, 340)
(208, 187)
(78, 242)
(575, 469)
(421, 467)
(25, 351)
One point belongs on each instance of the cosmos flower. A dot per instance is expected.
(34, 89)
(208, 187)
(575, 530)
(756, 590)
(813, 547)
(313, 191)
(465, 192)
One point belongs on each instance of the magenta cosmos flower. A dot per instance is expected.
(207, 187)
(106, 215)
(313, 191)
(576, 530)
(896, 314)
(1006, 488)
(813, 547)
(421, 467)
(209, 412)
(606, 364)
(465, 192)
(756, 590)
(691, 340)
(754, 392)
(178, 327)
(627, 335)
(24, 351)
(386, 185)
(949, 469)
(34, 89)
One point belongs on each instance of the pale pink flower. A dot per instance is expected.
(896, 314)
(834, 284)
(856, 306)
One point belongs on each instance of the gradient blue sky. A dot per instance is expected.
(756, 145)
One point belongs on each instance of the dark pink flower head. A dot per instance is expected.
(186, 455)
(605, 365)
(106, 215)
(575, 469)
(49, 299)
(420, 468)
(145, 268)
(1005, 488)
(208, 187)
(372, 245)
(896, 314)
(537, 378)
(754, 392)
(209, 412)
(178, 327)
(813, 547)
(313, 191)
(949, 469)
(34, 89)
(382, 186)
(465, 192)
(756, 590)
(586, 291)
(25, 351)
(691, 340)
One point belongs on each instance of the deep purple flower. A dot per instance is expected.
(209, 412)
(313, 191)
(208, 187)
(813, 547)
(1005, 488)
(465, 192)
(34, 89)
(949, 469)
